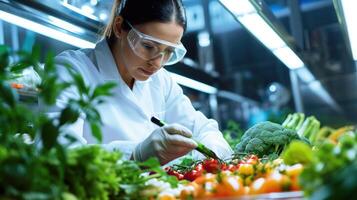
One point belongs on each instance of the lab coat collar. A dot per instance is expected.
(106, 63)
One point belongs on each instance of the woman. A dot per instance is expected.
(140, 39)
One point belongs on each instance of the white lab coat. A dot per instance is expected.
(126, 115)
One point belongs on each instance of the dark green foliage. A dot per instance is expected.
(47, 169)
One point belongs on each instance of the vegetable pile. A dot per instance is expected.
(246, 176)
(297, 155)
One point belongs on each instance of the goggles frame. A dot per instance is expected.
(177, 54)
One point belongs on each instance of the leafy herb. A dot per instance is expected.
(50, 170)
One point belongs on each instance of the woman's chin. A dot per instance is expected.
(142, 77)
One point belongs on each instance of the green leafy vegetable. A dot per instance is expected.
(266, 138)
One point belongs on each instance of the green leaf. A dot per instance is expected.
(8, 94)
(4, 58)
(96, 132)
(103, 90)
(49, 66)
(49, 134)
(150, 163)
(92, 115)
(298, 152)
(79, 82)
(69, 115)
(36, 52)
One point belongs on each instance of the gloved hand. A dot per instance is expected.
(165, 143)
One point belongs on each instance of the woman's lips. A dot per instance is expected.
(146, 72)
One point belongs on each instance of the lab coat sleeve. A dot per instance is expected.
(77, 129)
(180, 110)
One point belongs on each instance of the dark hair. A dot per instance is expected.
(143, 11)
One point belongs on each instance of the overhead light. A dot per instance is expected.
(85, 12)
(46, 31)
(65, 25)
(203, 39)
(193, 84)
(239, 7)
(103, 15)
(261, 30)
(288, 57)
(93, 2)
(350, 16)
(305, 75)
(88, 9)
(272, 88)
(246, 13)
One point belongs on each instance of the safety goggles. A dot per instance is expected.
(148, 47)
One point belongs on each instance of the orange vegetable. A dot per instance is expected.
(229, 186)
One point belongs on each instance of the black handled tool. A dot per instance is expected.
(200, 147)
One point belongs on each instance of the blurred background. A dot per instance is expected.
(232, 70)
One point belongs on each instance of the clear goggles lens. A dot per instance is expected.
(148, 48)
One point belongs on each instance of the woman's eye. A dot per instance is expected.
(169, 51)
(148, 46)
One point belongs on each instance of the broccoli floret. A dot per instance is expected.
(266, 138)
(255, 146)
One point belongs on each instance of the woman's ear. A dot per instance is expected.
(117, 28)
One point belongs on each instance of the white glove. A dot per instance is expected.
(166, 143)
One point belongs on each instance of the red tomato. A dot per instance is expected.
(192, 175)
(232, 167)
(251, 161)
(172, 172)
(254, 157)
(199, 167)
(224, 167)
(211, 165)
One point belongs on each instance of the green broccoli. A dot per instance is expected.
(266, 138)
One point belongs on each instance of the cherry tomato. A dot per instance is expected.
(199, 167)
(211, 165)
(251, 161)
(224, 167)
(232, 167)
(192, 175)
(172, 172)
(246, 169)
(254, 157)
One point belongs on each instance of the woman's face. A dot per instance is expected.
(141, 69)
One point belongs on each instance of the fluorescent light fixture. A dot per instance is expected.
(46, 31)
(261, 30)
(193, 84)
(288, 57)
(65, 25)
(203, 39)
(239, 7)
(350, 15)
(235, 97)
(245, 12)
(79, 11)
(103, 16)
(305, 75)
(87, 9)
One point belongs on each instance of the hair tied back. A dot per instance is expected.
(121, 6)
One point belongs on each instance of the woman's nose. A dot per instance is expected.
(158, 60)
